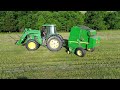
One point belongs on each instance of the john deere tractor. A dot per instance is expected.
(48, 37)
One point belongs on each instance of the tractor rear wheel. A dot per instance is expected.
(80, 52)
(54, 43)
(32, 45)
(60, 37)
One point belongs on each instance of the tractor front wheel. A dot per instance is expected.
(54, 43)
(32, 45)
(80, 52)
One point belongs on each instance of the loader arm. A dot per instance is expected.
(22, 38)
(29, 34)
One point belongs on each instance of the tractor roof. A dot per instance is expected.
(49, 25)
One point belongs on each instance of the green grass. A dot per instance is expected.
(104, 63)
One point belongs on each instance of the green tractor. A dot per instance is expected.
(48, 37)
(82, 39)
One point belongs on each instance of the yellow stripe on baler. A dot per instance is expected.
(78, 42)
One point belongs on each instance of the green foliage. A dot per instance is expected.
(95, 20)
(113, 20)
(18, 20)
(8, 22)
(12, 21)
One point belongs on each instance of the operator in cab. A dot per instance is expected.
(43, 34)
(43, 31)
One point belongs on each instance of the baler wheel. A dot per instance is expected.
(80, 52)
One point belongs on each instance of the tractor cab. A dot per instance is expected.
(50, 37)
(48, 30)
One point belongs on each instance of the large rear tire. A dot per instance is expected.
(54, 43)
(32, 45)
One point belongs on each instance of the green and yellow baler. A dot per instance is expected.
(81, 39)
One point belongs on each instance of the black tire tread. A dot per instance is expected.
(31, 40)
(83, 52)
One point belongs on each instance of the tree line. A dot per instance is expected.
(16, 21)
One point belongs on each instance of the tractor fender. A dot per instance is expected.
(57, 35)
(60, 37)
(52, 36)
